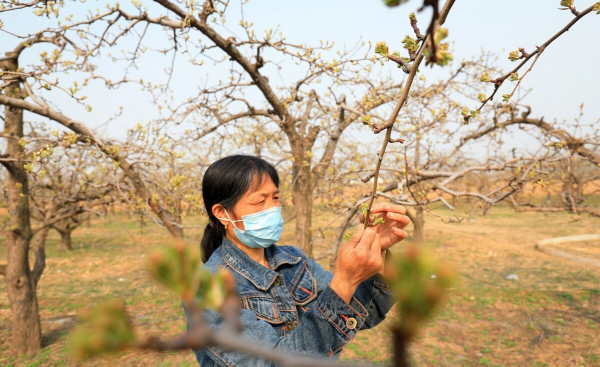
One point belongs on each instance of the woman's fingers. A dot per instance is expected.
(356, 237)
(366, 241)
(375, 246)
(402, 219)
(387, 207)
(400, 233)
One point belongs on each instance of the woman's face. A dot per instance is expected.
(258, 198)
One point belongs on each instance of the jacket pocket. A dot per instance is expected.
(263, 306)
(304, 287)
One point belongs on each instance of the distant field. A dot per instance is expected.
(549, 317)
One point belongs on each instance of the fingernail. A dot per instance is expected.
(391, 215)
(387, 207)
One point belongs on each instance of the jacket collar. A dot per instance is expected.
(257, 274)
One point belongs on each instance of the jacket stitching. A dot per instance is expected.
(361, 305)
(303, 302)
(247, 276)
(220, 357)
(332, 322)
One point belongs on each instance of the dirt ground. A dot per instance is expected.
(550, 316)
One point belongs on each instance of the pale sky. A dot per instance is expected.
(565, 76)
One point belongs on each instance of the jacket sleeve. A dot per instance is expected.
(322, 331)
(374, 295)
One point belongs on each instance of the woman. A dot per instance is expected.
(289, 302)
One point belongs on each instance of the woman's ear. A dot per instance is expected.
(219, 212)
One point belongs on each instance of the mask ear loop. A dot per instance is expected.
(232, 221)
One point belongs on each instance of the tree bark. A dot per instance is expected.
(26, 328)
(419, 224)
(303, 202)
(39, 250)
(65, 240)
(65, 228)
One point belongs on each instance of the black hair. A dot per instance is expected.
(225, 182)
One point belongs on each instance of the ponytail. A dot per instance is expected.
(213, 236)
(225, 182)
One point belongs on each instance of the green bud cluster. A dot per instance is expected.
(392, 3)
(442, 53)
(179, 268)
(105, 328)
(366, 120)
(514, 77)
(485, 78)
(514, 55)
(377, 219)
(382, 49)
(566, 3)
(597, 7)
(410, 44)
(420, 283)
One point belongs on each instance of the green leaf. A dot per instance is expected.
(363, 208)
(392, 3)
(485, 77)
(378, 220)
(440, 34)
(481, 97)
(506, 97)
(442, 55)
(514, 77)
(567, 3)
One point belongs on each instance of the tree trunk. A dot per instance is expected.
(65, 228)
(419, 224)
(39, 250)
(65, 240)
(26, 329)
(303, 202)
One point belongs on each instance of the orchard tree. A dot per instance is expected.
(67, 183)
(19, 83)
(573, 148)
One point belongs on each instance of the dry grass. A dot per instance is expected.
(549, 317)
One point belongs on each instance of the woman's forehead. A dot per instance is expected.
(263, 187)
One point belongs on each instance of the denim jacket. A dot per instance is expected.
(291, 308)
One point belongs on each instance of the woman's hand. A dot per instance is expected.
(359, 259)
(392, 231)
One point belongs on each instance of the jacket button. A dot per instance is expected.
(276, 282)
(290, 326)
(351, 323)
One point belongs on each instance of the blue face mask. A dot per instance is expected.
(262, 229)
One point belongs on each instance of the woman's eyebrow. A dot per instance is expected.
(263, 194)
